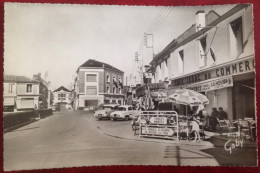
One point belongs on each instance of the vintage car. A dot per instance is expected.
(104, 111)
(124, 112)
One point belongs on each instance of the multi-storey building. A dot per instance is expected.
(20, 93)
(96, 83)
(62, 96)
(215, 56)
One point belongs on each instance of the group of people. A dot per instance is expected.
(216, 115)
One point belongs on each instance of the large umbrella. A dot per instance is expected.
(188, 97)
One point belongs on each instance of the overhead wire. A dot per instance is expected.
(160, 17)
(162, 20)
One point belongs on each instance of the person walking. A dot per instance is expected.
(195, 128)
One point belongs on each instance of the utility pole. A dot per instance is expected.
(149, 42)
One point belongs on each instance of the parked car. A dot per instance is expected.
(55, 107)
(104, 111)
(124, 112)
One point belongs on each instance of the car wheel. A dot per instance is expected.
(127, 118)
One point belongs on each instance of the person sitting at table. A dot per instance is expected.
(222, 114)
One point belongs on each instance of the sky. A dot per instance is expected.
(58, 38)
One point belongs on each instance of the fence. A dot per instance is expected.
(159, 124)
(13, 119)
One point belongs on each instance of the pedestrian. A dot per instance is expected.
(213, 118)
(196, 128)
(200, 112)
(36, 112)
(222, 114)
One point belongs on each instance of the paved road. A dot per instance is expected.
(73, 139)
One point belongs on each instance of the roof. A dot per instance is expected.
(212, 19)
(61, 88)
(18, 79)
(93, 63)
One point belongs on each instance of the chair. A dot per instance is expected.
(244, 128)
(252, 127)
(226, 124)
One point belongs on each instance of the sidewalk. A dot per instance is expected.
(123, 130)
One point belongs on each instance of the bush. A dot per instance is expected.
(16, 118)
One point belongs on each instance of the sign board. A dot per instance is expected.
(157, 131)
(211, 85)
(158, 120)
(238, 67)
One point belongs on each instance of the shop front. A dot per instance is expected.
(230, 86)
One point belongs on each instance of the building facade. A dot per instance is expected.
(215, 57)
(62, 96)
(20, 93)
(44, 99)
(97, 83)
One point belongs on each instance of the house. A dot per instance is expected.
(215, 57)
(96, 83)
(20, 93)
(62, 96)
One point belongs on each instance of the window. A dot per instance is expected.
(236, 35)
(91, 90)
(202, 51)
(114, 90)
(181, 61)
(108, 89)
(89, 103)
(11, 88)
(61, 96)
(91, 78)
(130, 109)
(119, 80)
(108, 78)
(29, 88)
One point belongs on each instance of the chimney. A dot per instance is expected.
(200, 20)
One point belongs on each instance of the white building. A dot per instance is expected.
(215, 57)
(62, 96)
(20, 93)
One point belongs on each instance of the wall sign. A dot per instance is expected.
(238, 67)
(211, 85)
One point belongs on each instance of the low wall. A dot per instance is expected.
(12, 119)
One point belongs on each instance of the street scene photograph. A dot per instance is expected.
(102, 85)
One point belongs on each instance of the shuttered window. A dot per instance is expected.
(91, 90)
(91, 78)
